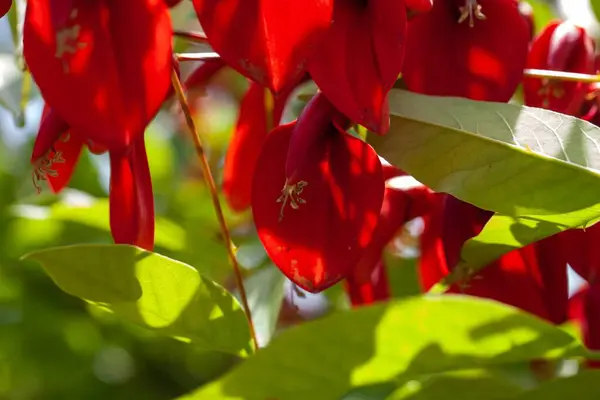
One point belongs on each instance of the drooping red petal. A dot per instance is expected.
(590, 324)
(144, 195)
(55, 152)
(561, 46)
(268, 41)
(360, 59)
(243, 151)
(482, 62)
(105, 87)
(527, 13)
(280, 100)
(318, 243)
(124, 224)
(131, 198)
(5, 6)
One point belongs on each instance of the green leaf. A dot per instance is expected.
(595, 4)
(583, 386)
(466, 385)
(524, 163)
(399, 340)
(152, 291)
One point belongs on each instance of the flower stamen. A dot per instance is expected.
(291, 194)
(472, 11)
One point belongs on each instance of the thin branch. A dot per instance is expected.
(215, 199)
(191, 36)
(560, 75)
(197, 56)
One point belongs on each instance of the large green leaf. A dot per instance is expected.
(150, 290)
(325, 359)
(583, 386)
(537, 167)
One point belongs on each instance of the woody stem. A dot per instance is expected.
(197, 56)
(208, 177)
(560, 75)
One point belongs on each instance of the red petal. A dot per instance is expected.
(268, 41)
(244, 149)
(561, 46)
(317, 244)
(131, 198)
(483, 62)
(55, 152)
(361, 58)
(204, 73)
(591, 322)
(124, 224)
(144, 195)
(5, 6)
(582, 251)
(105, 87)
(368, 289)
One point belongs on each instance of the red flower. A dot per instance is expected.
(55, 155)
(105, 87)
(404, 199)
(268, 41)
(584, 308)
(533, 278)
(360, 59)
(318, 226)
(561, 46)
(419, 5)
(465, 48)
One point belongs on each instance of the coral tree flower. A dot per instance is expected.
(404, 199)
(465, 48)
(561, 46)
(318, 226)
(268, 41)
(106, 89)
(360, 59)
(533, 278)
(55, 155)
(101, 92)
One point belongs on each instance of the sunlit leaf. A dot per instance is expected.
(400, 340)
(152, 291)
(521, 162)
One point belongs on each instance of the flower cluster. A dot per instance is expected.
(324, 203)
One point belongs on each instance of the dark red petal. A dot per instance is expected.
(313, 127)
(172, 3)
(368, 289)
(527, 13)
(361, 58)
(52, 126)
(401, 203)
(450, 223)
(102, 85)
(582, 251)
(5, 6)
(280, 100)
(561, 46)
(318, 244)
(591, 321)
(268, 41)
(243, 151)
(144, 196)
(124, 223)
(483, 62)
